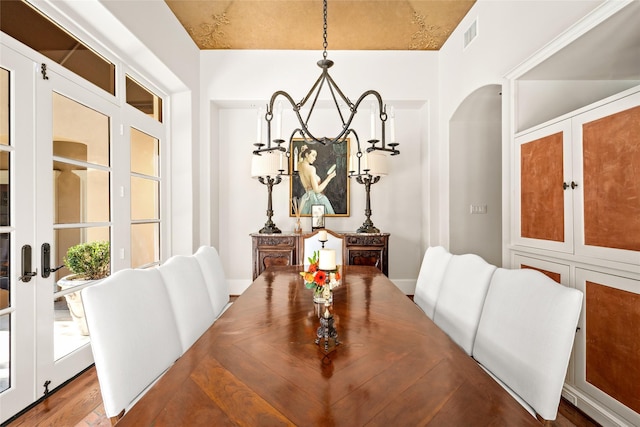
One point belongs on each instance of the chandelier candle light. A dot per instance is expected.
(358, 163)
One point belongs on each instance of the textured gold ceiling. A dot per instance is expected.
(297, 24)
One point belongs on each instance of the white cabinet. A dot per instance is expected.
(577, 183)
(607, 347)
(576, 217)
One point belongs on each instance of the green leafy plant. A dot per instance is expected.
(89, 261)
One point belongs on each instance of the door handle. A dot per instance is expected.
(46, 261)
(27, 274)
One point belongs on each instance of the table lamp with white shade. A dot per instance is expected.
(265, 168)
(375, 166)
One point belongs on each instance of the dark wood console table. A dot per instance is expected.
(274, 249)
(286, 249)
(367, 249)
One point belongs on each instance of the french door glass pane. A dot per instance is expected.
(65, 238)
(5, 351)
(5, 246)
(145, 244)
(79, 132)
(5, 189)
(5, 263)
(145, 153)
(55, 43)
(82, 194)
(143, 99)
(70, 327)
(145, 202)
(4, 107)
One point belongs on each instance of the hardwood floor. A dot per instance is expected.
(79, 404)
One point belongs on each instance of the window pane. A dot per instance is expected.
(145, 244)
(144, 100)
(55, 43)
(144, 199)
(145, 152)
(68, 237)
(5, 352)
(79, 132)
(81, 195)
(70, 327)
(5, 188)
(5, 274)
(4, 107)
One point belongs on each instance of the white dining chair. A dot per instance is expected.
(189, 297)
(134, 336)
(525, 336)
(215, 278)
(462, 293)
(311, 244)
(434, 264)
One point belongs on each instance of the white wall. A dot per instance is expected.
(235, 82)
(475, 175)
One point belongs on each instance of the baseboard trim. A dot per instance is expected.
(592, 408)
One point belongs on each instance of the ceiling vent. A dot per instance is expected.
(471, 33)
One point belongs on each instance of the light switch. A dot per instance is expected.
(478, 209)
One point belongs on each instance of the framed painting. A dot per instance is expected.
(320, 177)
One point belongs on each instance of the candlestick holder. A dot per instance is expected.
(326, 335)
(367, 226)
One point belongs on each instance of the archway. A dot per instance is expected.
(475, 175)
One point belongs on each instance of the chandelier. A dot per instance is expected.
(358, 165)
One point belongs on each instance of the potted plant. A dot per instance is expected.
(87, 262)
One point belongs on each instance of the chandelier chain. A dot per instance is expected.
(325, 44)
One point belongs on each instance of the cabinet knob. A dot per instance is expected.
(573, 185)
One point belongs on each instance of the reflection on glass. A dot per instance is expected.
(5, 263)
(145, 202)
(81, 195)
(144, 153)
(145, 244)
(55, 43)
(5, 353)
(5, 188)
(80, 133)
(144, 100)
(4, 107)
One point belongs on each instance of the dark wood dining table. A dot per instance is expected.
(259, 365)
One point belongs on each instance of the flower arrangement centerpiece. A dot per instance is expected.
(318, 278)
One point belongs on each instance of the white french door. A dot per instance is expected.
(56, 178)
(17, 230)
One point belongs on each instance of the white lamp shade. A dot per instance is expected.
(267, 164)
(375, 163)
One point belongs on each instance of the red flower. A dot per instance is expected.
(337, 275)
(321, 278)
(313, 268)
